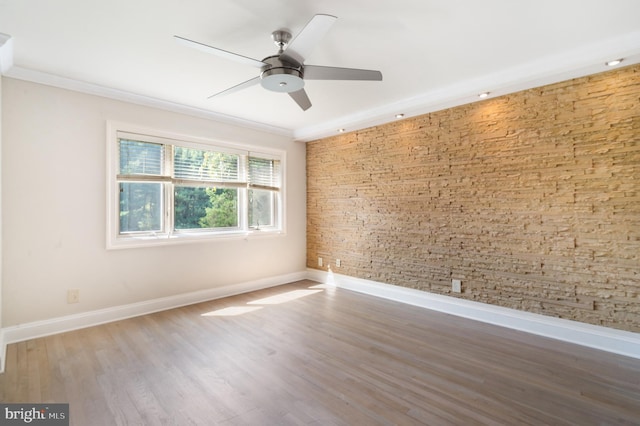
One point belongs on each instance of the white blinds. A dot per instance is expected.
(141, 158)
(202, 165)
(143, 161)
(264, 173)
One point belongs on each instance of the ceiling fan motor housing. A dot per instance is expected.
(281, 76)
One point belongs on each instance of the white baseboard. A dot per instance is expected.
(603, 338)
(32, 330)
(608, 339)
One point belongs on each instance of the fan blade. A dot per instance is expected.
(314, 72)
(219, 52)
(237, 87)
(304, 43)
(301, 99)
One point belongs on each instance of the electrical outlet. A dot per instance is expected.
(73, 295)
(338, 263)
(456, 286)
(319, 261)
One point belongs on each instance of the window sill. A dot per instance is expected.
(115, 243)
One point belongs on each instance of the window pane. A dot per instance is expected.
(204, 165)
(190, 206)
(261, 208)
(140, 207)
(197, 208)
(141, 158)
(264, 172)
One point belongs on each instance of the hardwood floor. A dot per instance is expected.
(306, 354)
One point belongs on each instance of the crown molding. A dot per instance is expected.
(40, 77)
(564, 66)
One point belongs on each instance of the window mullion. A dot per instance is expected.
(243, 193)
(169, 191)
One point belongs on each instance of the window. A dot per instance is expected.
(167, 189)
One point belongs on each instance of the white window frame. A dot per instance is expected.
(115, 240)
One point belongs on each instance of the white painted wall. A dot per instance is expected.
(54, 150)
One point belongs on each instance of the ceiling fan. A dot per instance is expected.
(286, 72)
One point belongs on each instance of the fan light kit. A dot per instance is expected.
(286, 72)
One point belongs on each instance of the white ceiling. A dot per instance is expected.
(432, 53)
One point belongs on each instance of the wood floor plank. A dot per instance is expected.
(302, 354)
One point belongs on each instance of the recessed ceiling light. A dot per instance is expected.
(483, 95)
(341, 130)
(399, 115)
(613, 63)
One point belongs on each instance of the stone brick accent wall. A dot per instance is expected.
(532, 200)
